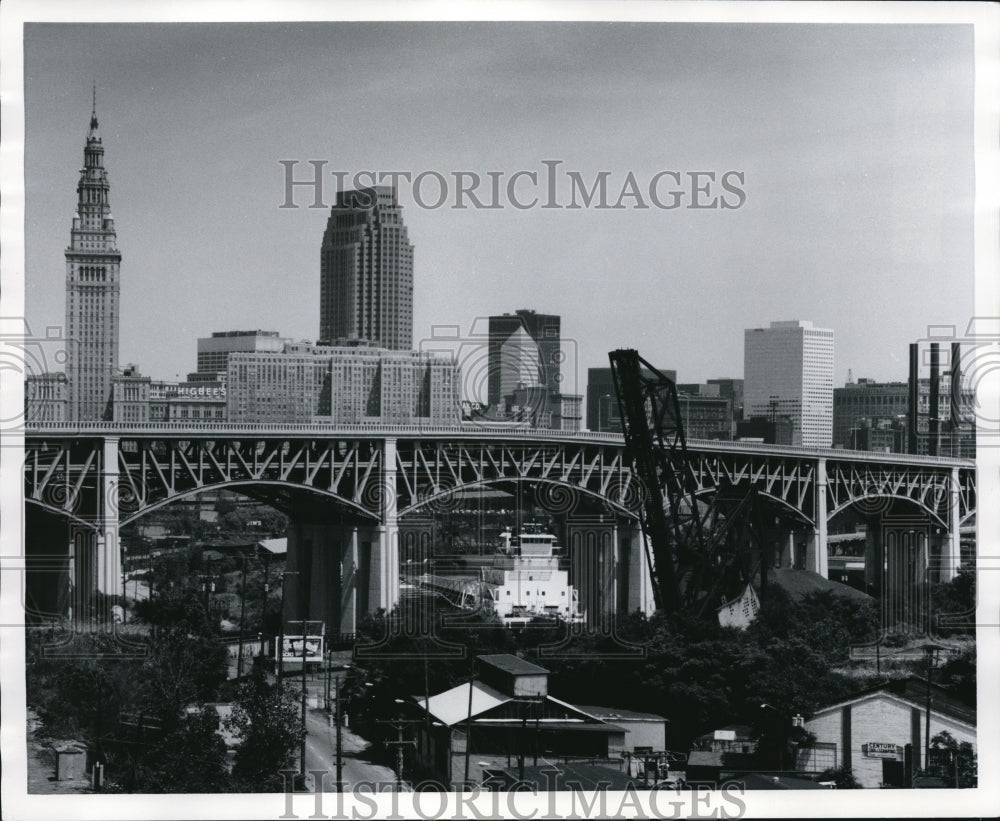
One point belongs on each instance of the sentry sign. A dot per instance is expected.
(880, 749)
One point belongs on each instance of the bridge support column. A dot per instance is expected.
(324, 557)
(387, 534)
(951, 555)
(817, 557)
(639, 583)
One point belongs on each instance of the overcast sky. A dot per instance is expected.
(855, 143)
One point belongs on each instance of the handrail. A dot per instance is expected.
(465, 431)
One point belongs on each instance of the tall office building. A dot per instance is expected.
(366, 271)
(524, 351)
(92, 291)
(788, 371)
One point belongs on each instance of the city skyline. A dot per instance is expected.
(208, 221)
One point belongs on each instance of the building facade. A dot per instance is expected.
(788, 371)
(524, 350)
(602, 401)
(92, 291)
(525, 379)
(881, 734)
(45, 397)
(366, 271)
(214, 350)
(872, 416)
(342, 385)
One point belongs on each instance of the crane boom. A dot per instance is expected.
(700, 552)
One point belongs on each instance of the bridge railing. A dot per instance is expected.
(466, 431)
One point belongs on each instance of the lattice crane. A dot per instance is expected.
(702, 553)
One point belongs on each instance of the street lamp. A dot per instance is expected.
(336, 715)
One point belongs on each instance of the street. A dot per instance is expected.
(321, 751)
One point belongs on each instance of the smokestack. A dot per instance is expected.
(911, 415)
(955, 412)
(933, 418)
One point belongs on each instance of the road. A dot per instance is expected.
(321, 753)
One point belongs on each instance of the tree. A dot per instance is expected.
(954, 761)
(182, 669)
(269, 726)
(191, 758)
(843, 777)
(953, 604)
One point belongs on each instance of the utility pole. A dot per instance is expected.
(302, 764)
(399, 724)
(930, 654)
(243, 610)
(340, 752)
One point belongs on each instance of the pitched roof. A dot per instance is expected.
(913, 691)
(452, 706)
(510, 663)
(619, 714)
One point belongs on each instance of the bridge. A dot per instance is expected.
(350, 491)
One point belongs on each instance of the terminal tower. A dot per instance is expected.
(92, 291)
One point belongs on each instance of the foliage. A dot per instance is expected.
(843, 777)
(693, 672)
(954, 761)
(958, 675)
(268, 722)
(955, 601)
(191, 758)
(182, 669)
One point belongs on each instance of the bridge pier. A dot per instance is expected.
(633, 568)
(817, 556)
(336, 574)
(95, 562)
(952, 554)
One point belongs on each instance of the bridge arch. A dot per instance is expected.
(435, 498)
(62, 513)
(882, 502)
(288, 490)
(799, 514)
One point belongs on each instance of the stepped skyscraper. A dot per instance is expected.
(366, 271)
(92, 291)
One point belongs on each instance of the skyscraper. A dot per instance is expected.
(524, 350)
(788, 371)
(92, 291)
(366, 271)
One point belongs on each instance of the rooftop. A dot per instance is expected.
(619, 714)
(515, 665)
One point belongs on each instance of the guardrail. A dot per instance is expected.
(466, 431)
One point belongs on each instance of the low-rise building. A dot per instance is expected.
(46, 397)
(505, 716)
(881, 734)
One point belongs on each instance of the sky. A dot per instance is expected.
(854, 143)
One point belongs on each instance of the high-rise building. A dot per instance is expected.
(525, 351)
(788, 371)
(366, 271)
(92, 291)
(525, 372)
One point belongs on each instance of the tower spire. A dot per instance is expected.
(93, 108)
